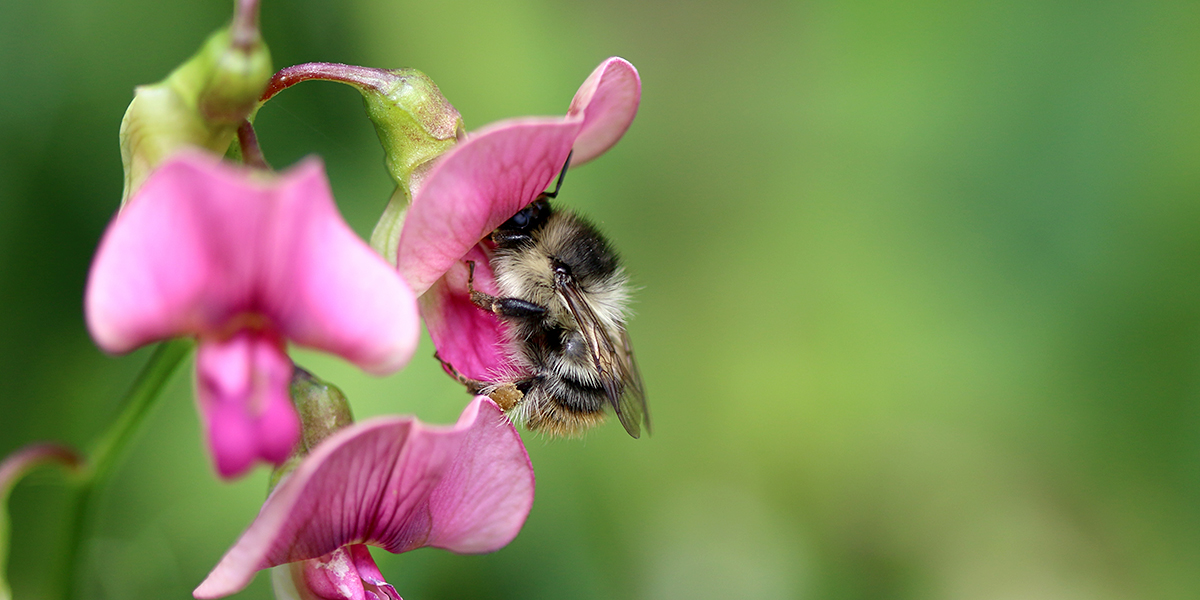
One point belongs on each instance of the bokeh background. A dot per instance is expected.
(920, 305)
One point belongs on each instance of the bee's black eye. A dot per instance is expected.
(528, 219)
(521, 219)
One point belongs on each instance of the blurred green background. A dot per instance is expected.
(920, 305)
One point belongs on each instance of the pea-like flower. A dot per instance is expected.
(391, 482)
(481, 183)
(243, 261)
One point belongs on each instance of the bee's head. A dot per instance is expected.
(529, 218)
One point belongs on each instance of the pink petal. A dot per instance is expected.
(330, 577)
(368, 571)
(467, 337)
(608, 100)
(392, 482)
(328, 289)
(475, 187)
(348, 573)
(204, 243)
(156, 274)
(498, 170)
(242, 393)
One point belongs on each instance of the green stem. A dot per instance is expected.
(109, 449)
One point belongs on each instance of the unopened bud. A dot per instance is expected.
(323, 410)
(201, 103)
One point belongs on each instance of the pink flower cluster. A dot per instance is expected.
(246, 261)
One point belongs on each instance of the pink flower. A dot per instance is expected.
(243, 261)
(481, 183)
(391, 482)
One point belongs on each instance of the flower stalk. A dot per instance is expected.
(111, 447)
(414, 122)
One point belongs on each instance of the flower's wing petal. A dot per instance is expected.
(475, 187)
(395, 483)
(607, 102)
(178, 259)
(467, 338)
(242, 394)
(326, 288)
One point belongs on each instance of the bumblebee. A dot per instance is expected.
(564, 296)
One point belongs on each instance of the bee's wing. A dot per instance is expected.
(618, 372)
(633, 401)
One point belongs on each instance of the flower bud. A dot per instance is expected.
(416, 124)
(323, 410)
(201, 103)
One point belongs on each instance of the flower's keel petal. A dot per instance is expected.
(348, 573)
(477, 186)
(395, 483)
(242, 393)
(333, 577)
(327, 287)
(467, 337)
(372, 579)
(607, 102)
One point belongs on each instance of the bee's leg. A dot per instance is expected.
(509, 239)
(504, 307)
(561, 176)
(473, 385)
(505, 395)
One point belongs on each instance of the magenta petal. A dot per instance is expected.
(608, 100)
(368, 571)
(156, 274)
(474, 188)
(328, 289)
(392, 482)
(204, 243)
(348, 573)
(242, 393)
(467, 337)
(332, 577)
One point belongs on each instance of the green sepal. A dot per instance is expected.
(201, 103)
(415, 124)
(323, 410)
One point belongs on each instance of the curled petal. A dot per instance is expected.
(242, 393)
(470, 339)
(607, 101)
(395, 483)
(474, 188)
(203, 243)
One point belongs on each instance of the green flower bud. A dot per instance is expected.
(323, 410)
(414, 121)
(201, 103)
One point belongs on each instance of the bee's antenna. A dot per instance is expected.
(561, 176)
